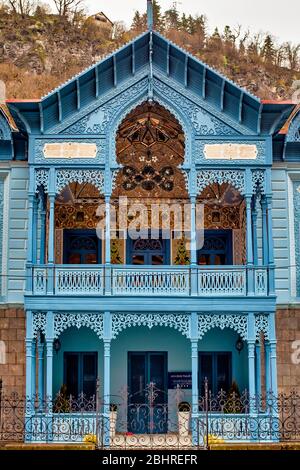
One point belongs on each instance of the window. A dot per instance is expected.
(148, 251)
(80, 373)
(217, 248)
(217, 368)
(81, 247)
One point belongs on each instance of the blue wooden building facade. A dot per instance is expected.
(150, 123)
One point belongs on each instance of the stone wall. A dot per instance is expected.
(12, 338)
(288, 331)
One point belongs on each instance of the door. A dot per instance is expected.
(217, 368)
(81, 247)
(148, 393)
(80, 373)
(217, 248)
(149, 251)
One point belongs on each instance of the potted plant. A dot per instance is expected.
(113, 420)
(184, 413)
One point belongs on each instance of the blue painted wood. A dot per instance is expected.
(258, 369)
(51, 230)
(41, 369)
(149, 14)
(268, 367)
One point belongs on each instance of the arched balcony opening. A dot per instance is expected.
(150, 147)
(224, 242)
(76, 219)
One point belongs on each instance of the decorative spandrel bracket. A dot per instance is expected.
(234, 177)
(121, 321)
(258, 182)
(38, 323)
(67, 176)
(236, 322)
(262, 326)
(94, 321)
(41, 176)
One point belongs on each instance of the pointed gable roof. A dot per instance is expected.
(152, 52)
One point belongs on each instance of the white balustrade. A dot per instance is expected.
(79, 281)
(220, 282)
(40, 281)
(149, 281)
(261, 282)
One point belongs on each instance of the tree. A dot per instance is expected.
(157, 16)
(138, 22)
(191, 27)
(292, 55)
(172, 20)
(67, 7)
(199, 26)
(268, 51)
(184, 23)
(21, 7)
(215, 39)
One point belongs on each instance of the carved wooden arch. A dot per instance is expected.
(130, 105)
(150, 146)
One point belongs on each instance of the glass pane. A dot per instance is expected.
(138, 259)
(71, 374)
(206, 368)
(223, 371)
(157, 260)
(220, 260)
(157, 377)
(90, 258)
(74, 258)
(89, 375)
(137, 378)
(204, 260)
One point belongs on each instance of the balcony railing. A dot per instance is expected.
(121, 280)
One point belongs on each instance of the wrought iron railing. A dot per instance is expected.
(153, 419)
(235, 281)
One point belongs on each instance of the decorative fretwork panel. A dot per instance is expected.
(66, 176)
(121, 321)
(40, 281)
(79, 281)
(150, 282)
(294, 130)
(202, 121)
(238, 323)
(38, 323)
(220, 283)
(234, 177)
(261, 282)
(258, 182)
(42, 179)
(262, 325)
(62, 321)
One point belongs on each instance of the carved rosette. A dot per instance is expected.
(121, 321)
